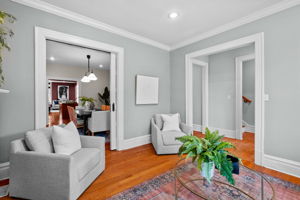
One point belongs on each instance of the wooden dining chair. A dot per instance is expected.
(73, 117)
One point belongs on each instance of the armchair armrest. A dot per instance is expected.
(186, 129)
(41, 173)
(92, 142)
(156, 135)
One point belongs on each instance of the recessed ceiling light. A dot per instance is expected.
(100, 66)
(52, 58)
(173, 15)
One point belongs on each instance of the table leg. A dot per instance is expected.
(85, 125)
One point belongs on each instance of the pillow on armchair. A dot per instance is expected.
(66, 140)
(170, 122)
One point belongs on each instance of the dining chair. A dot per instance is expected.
(73, 117)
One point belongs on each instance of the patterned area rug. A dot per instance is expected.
(162, 187)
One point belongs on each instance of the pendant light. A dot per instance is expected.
(89, 75)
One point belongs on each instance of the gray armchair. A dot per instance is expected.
(49, 176)
(164, 141)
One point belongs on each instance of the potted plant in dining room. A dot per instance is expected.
(210, 152)
(4, 33)
(105, 99)
(87, 102)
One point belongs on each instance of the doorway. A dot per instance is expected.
(245, 95)
(258, 41)
(116, 79)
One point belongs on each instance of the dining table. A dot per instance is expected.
(84, 115)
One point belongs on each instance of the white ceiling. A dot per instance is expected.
(75, 56)
(149, 18)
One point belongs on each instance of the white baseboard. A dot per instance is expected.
(135, 142)
(282, 165)
(248, 127)
(197, 127)
(226, 132)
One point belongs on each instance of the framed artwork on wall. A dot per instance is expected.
(146, 89)
(63, 92)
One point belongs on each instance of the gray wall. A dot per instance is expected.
(282, 82)
(197, 94)
(17, 108)
(249, 91)
(221, 87)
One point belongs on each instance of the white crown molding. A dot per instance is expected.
(242, 21)
(44, 6)
(37, 4)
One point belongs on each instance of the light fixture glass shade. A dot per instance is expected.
(92, 77)
(85, 79)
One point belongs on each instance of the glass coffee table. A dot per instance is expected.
(249, 184)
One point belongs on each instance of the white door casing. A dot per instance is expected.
(204, 69)
(258, 41)
(239, 93)
(41, 35)
(113, 110)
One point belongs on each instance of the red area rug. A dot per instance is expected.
(162, 187)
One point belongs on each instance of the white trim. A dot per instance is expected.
(4, 91)
(44, 6)
(189, 91)
(226, 132)
(240, 22)
(41, 35)
(239, 93)
(248, 127)
(135, 142)
(282, 165)
(47, 7)
(258, 40)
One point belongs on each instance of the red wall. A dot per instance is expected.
(72, 90)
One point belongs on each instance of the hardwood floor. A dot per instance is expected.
(125, 169)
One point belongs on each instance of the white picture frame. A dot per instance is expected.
(147, 89)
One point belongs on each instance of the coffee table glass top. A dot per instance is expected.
(249, 184)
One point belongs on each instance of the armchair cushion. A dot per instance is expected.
(171, 122)
(66, 140)
(40, 140)
(169, 137)
(85, 160)
(159, 121)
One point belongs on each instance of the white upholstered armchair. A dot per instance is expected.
(164, 141)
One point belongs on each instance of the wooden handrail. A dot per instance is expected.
(246, 100)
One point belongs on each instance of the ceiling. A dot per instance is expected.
(70, 55)
(149, 18)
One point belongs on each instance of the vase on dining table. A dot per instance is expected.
(89, 105)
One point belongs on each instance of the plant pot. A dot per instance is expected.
(105, 107)
(235, 164)
(208, 169)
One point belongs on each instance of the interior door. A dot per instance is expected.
(113, 106)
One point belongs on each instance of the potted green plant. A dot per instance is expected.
(209, 153)
(105, 99)
(87, 102)
(4, 32)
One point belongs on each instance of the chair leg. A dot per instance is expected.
(93, 134)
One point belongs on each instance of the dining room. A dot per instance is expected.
(78, 88)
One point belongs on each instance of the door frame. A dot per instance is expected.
(43, 34)
(258, 41)
(239, 61)
(189, 89)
